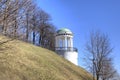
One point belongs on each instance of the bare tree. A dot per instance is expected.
(11, 15)
(29, 11)
(43, 27)
(98, 48)
(48, 37)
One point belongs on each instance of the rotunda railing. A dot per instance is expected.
(66, 49)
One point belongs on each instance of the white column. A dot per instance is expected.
(65, 42)
(56, 42)
(71, 41)
(60, 41)
(68, 43)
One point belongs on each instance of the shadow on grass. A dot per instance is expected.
(6, 41)
(3, 42)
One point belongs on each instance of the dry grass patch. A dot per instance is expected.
(23, 61)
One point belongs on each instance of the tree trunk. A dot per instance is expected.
(39, 42)
(27, 29)
(33, 37)
(97, 77)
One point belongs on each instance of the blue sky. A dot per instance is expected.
(83, 16)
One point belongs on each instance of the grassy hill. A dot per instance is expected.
(23, 61)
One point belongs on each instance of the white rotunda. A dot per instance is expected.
(64, 45)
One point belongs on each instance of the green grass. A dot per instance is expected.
(23, 61)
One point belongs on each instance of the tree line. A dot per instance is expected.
(22, 19)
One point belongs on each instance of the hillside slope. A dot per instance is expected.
(23, 61)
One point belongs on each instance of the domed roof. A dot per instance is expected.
(64, 31)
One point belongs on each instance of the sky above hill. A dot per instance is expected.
(83, 16)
